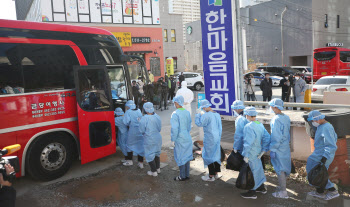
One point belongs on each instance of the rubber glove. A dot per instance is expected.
(235, 150)
(261, 154)
(246, 159)
(273, 155)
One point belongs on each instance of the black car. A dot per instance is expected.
(280, 71)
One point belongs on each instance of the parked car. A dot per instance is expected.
(306, 70)
(194, 80)
(329, 83)
(259, 76)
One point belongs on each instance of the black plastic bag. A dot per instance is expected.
(234, 161)
(245, 180)
(293, 170)
(223, 156)
(318, 176)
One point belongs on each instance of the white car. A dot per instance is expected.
(329, 83)
(194, 80)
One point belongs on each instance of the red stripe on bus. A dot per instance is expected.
(80, 55)
(15, 24)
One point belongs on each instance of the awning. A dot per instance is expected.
(137, 52)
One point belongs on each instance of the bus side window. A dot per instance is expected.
(11, 81)
(47, 67)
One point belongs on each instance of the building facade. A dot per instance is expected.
(190, 10)
(135, 23)
(193, 47)
(173, 43)
(331, 23)
(278, 33)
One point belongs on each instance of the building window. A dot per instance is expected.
(165, 35)
(175, 62)
(173, 36)
(338, 21)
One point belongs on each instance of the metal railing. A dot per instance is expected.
(301, 105)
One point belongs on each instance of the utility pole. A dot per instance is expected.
(282, 47)
(239, 66)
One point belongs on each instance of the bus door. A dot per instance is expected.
(95, 112)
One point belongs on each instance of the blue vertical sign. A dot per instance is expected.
(218, 63)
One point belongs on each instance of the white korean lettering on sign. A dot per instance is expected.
(218, 60)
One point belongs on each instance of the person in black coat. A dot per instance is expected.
(286, 87)
(181, 78)
(172, 88)
(266, 87)
(7, 192)
(135, 92)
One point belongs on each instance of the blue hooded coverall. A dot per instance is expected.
(150, 126)
(212, 127)
(280, 138)
(180, 134)
(325, 146)
(135, 139)
(256, 140)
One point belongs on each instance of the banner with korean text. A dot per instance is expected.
(218, 61)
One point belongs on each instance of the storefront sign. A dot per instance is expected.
(217, 39)
(124, 38)
(141, 40)
(330, 44)
(170, 66)
(101, 11)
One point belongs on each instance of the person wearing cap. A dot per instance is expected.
(240, 122)
(279, 147)
(255, 144)
(150, 126)
(134, 142)
(299, 89)
(212, 127)
(325, 148)
(180, 134)
(122, 132)
(286, 84)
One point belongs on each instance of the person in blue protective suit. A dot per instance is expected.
(180, 134)
(279, 147)
(122, 131)
(255, 144)
(150, 126)
(325, 147)
(240, 122)
(134, 142)
(212, 127)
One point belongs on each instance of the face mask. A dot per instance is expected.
(286, 78)
(269, 110)
(296, 78)
(235, 114)
(315, 124)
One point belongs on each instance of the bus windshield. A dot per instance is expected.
(118, 86)
(322, 56)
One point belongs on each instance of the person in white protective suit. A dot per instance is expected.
(187, 94)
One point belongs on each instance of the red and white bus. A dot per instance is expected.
(59, 85)
(331, 61)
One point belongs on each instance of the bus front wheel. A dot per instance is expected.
(50, 156)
